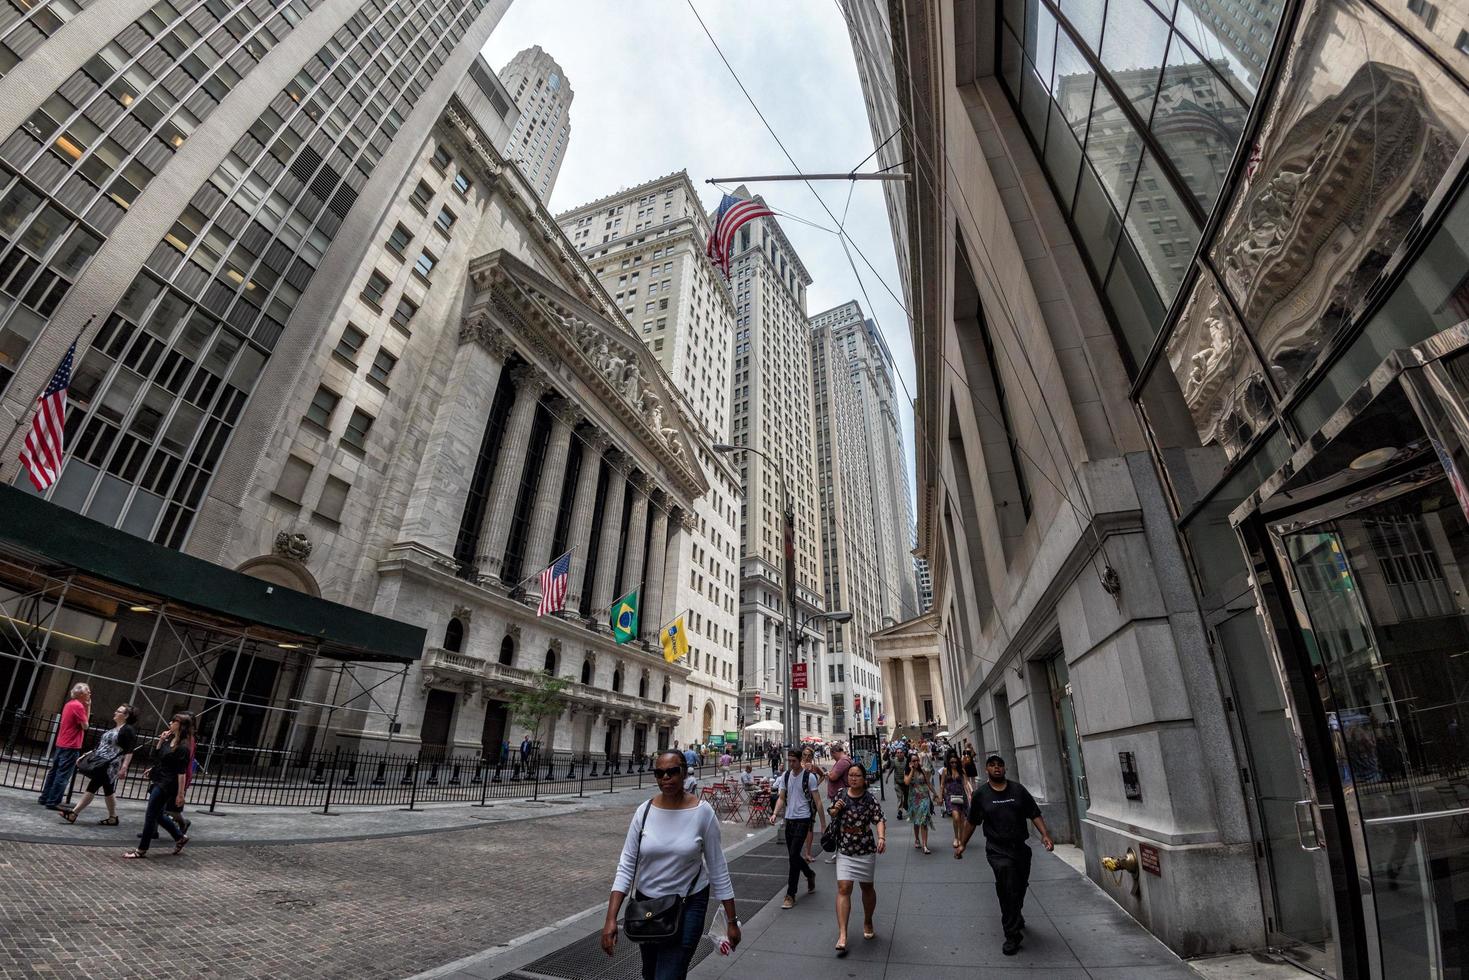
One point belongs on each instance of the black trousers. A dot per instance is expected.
(796, 831)
(1011, 864)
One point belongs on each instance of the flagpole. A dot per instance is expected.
(629, 592)
(19, 422)
(537, 572)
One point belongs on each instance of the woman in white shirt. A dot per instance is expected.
(672, 848)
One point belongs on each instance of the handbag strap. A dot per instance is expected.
(638, 853)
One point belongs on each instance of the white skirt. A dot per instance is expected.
(856, 868)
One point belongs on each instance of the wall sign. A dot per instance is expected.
(1131, 788)
(798, 676)
(1149, 859)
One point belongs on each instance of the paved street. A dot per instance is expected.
(377, 907)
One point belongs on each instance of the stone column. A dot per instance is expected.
(911, 689)
(652, 614)
(611, 537)
(936, 685)
(441, 488)
(538, 555)
(674, 572)
(494, 534)
(889, 688)
(594, 443)
(637, 530)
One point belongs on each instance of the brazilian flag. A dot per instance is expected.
(625, 618)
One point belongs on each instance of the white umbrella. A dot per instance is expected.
(768, 726)
(943, 734)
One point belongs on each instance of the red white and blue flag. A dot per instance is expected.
(42, 451)
(553, 585)
(732, 214)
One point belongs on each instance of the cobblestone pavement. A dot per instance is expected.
(368, 908)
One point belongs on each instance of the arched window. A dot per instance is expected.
(550, 661)
(454, 636)
(586, 671)
(643, 686)
(507, 651)
(617, 679)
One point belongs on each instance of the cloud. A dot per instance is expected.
(652, 97)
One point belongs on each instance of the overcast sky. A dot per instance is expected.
(652, 98)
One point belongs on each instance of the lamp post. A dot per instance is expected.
(788, 521)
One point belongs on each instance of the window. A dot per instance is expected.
(333, 499)
(292, 483)
(507, 651)
(351, 342)
(403, 315)
(357, 428)
(376, 289)
(462, 184)
(422, 195)
(382, 366)
(442, 158)
(445, 220)
(424, 267)
(323, 403)
(399, 240)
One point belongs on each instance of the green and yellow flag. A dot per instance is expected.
(675, 641)
(625, 617)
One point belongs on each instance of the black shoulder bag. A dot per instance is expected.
(652, 920)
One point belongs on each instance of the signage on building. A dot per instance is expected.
(798, 677)
(731, 738)
(757, 700)
(857, 703)
(716, 740)
(1150, 860)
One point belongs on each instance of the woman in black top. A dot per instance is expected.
(115, 749)
(166, 785)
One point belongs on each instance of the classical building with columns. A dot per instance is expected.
(910, 655)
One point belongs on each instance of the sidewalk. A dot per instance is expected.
(938, 918)
(23, 821)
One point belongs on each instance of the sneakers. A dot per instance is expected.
(1012, 946)
(789, 903)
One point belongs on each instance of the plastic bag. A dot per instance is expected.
(718, 932)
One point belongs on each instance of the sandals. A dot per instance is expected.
(69, 816)
(869, 933)
(107, 822)
(841, 949)
(179, 844)
(927, 851)
(135, 855)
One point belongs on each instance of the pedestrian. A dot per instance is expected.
(691, 759)
(673, 849)
(107, 764)
(955, 790)
(971, 772)
(920, 801)
(69, 738)
(725, 761)
(857, 813)
(898, 766)
(808, 763)
(836, 780)
(796, 801)
(165, 784)
(526, 746)
(1002, 807)
(774, 761)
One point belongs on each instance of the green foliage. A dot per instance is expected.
(532, 706)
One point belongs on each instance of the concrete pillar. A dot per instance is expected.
(494, 534)
(611, 538)
(594, 443)
(936, 686)
(889, 690)
(653, 591)
(441, 488)
(637, 531)
(914, 718)
(548, 500)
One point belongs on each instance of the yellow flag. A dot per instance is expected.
(675, 641)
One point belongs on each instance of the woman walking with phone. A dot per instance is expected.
(920, 801)
(166, 785)
(671, 865)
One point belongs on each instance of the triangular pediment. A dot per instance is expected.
(920, 626)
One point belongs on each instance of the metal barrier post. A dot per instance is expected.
(218, 775)
(535, 789)
(412, 784)
(581, 786)
(484, 785)
(331, 781)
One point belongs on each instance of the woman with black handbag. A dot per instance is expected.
(673, 859)
(105, 765)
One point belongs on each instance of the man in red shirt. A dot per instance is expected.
(69, 740)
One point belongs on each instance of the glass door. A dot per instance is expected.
(1380, 584)
(1077, 797)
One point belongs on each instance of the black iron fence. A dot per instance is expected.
(239, 775)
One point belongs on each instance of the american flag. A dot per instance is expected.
(553, 585)
(733, 212)
(42, 451)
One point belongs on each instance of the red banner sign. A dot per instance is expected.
(798, 677)
(857, 703)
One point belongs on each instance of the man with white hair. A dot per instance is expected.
(69, 738)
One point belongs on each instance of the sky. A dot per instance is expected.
(652, 97)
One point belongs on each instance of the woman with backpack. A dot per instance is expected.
(105, 765)
(671, 865)
(166, 785)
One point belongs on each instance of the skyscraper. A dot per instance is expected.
(771, 414)
(646, 246)
(538, 139)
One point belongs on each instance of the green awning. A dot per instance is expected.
(62, 541)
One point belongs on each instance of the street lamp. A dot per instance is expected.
(788, 514)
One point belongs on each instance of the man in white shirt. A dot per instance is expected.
(798, 802)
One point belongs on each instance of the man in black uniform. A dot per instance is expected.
(1002, 808)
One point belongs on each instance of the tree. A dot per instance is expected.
(543, 698)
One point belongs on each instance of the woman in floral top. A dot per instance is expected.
(856, 813)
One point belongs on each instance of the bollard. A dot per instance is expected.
(351, 779)
(581, 787)
(319, 776)
(498, 764)
(218, 775)
(382, 771)
(326, 805)
(551, 769)
(484, 786)
(454, 776)
(515, 772)
(479, 773)
(608, 773)
(433, 775)
(571, 768)
(412, 784)
(535, 789)
(594, 767)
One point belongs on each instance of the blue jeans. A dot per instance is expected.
(63, 764)
(159, 796)
(670, 960)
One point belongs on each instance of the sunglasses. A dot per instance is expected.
(666, 773)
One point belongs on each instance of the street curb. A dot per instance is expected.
(524, 950)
